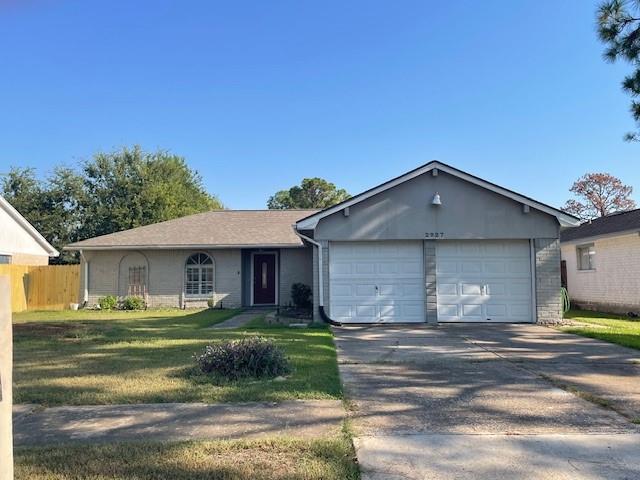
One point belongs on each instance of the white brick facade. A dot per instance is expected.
(614, 284)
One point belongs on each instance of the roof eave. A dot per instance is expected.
(75, 247)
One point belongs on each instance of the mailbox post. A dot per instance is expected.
(6, 361)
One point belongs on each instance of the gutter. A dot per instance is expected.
(323, 314)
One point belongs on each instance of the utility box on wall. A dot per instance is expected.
(6, 362)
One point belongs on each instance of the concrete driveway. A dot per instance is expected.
(490, 401)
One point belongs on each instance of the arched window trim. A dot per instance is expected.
(199, 275)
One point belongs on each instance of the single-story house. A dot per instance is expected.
(601, 261)
(20, 242)
(433, 245)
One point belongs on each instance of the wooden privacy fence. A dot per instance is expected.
(48, 287)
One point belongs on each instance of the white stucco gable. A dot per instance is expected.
(18, 236)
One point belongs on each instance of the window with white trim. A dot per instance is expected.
(198, 275)
(586, 257)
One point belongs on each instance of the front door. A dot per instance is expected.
(264, 278)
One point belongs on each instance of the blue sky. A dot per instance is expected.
(258, 95)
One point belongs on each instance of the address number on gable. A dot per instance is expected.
(434, 235)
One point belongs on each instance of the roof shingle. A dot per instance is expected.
(219, 228)
(613, 223)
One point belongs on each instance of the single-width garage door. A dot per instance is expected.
(371, 282)
(484, 281)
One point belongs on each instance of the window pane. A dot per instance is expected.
(5, 259)
(264, 274)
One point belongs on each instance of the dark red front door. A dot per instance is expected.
(264, 279)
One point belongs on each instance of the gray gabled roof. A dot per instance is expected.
(619, 222)
(215, 229)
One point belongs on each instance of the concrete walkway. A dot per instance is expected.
(240, 320)
(441, 402)
(176, 421)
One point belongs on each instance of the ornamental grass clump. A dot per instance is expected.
(253, 357)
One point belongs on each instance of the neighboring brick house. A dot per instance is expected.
(602, 262)
(20, 242)
(435, 244)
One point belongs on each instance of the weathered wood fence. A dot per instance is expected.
(49, 287)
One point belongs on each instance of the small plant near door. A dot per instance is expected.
(301, 295)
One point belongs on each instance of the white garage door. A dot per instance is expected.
(371, 282)
(484, 281)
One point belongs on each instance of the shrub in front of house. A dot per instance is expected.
(301, 295)
(108, 303)
(252, 357)
(133, 303)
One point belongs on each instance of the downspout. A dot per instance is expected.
(85, 280)
(323, 314)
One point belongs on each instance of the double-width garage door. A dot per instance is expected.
(484, 281)
(477, 281)
(373, 282)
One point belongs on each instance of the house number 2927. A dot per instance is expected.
(434, 235)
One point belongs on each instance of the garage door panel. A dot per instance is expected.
(484, 281)
(445, 289)
(470, 289)
(471, 311)
(446, 267)
(395, 268)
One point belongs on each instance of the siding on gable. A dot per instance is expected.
(614, 284)
(468, 211)
(19, 243)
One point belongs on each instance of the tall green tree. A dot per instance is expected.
(311, 193)
(111, 192)
(130, 188)
(619, 30)
(50, 205)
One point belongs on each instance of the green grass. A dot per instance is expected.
(326, 459)
(89, 358)
(603, 326)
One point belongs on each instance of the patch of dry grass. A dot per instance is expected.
(278, 459)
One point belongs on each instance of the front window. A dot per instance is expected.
(199, 275)
(586, 257)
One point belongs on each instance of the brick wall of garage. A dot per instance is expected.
(165, 275)
(547, 264)
(614, 284)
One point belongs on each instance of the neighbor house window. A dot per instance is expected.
(586, 257)
(199, 275)
(5, 259)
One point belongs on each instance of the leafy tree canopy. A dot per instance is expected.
(599, 194)
(311, 193)
(619, 30)
(111, 192)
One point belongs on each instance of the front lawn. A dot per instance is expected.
(326, 459)
(93, 357)
(603, 326)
